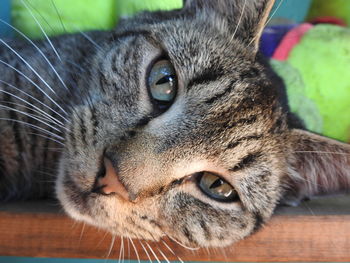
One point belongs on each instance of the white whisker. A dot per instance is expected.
(46, 137)
(172, 251)
(38, 87)
(144, 249)
(103, 238)
(29, 109)
(322, 152)
(30, 116)
(121, 249)
(137, 253)
(40, 116)
(34, 127)
(163, 255)
(110, 247)
(97, 46)
(59, 16)
(239, 20)
(81, 233)
(39, 50)
(274, 12)
(179, 243)
(42, 30)
(35, 99)
(28, 65)
(128, 240)
(152, 251)
(268, 21)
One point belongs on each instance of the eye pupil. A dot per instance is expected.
(216, 184)
(166, 79)
(216, 188)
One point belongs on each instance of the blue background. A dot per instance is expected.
(4, 15)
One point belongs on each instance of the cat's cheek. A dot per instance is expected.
(65, 200)
(194, 222)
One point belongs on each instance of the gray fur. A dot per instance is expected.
(229, 117)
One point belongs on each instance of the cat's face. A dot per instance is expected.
(184, 121)
(203, 165)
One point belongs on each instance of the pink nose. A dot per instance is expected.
(110, 182)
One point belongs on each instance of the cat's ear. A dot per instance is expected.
(317, 165)
(246, 18)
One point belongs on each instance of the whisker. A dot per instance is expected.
(274, 12)
(34, 127)
(110, 247)
(40, 116)
(76, 66)
(179, 243)
(42, 30)
(239, 20)
(46, 137)
(152, 251)
(137, 253)
(53, 149)
(39, 50)
(144, 249)
(311, 183)
(59, 16)
(66, 60)
(172, 251)
(127, 239)
(309, 208)
(322, 152)
(28, 65)
(268, 21)
(121, 248)
(29, 109)
(103, 238)
(81, 233)
(97, 46)
(164, 256)
(38, 87)
(30, 116)
(35, 99)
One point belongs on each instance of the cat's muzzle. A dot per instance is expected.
(108, 183)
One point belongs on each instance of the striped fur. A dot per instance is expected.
(230, 117)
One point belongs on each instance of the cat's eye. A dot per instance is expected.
(216, 188)
(162, 83)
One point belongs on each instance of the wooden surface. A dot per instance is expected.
(316, 231)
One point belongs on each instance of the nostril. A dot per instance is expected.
(107, 181)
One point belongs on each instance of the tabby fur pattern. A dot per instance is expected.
(69, 102)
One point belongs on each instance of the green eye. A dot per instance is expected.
(162, 82)
(216, 187)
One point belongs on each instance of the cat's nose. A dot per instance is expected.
(108, 182)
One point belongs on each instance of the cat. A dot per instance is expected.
(170, 125)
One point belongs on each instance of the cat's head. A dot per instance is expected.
(184, 131)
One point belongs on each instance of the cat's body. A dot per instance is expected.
(212, 152)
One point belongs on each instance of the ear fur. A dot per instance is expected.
(246, 18)
(318, 165)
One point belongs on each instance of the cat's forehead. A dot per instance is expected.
(195, 33)
(201, 50)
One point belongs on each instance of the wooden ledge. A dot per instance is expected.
(317, 230)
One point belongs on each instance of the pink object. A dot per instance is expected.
(291, 39)
(329, 20)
